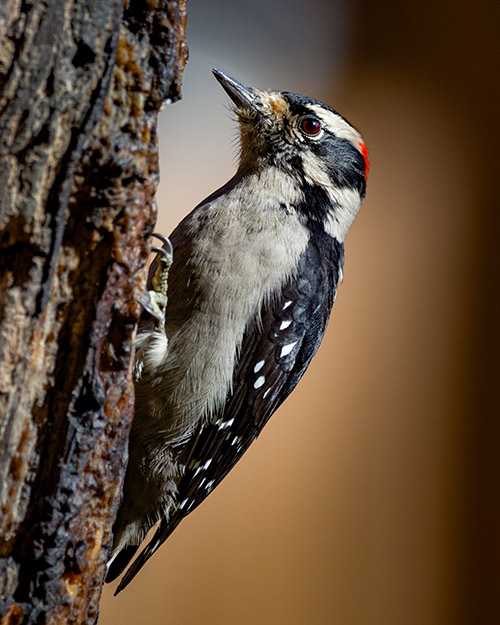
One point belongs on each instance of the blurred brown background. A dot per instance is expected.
(372, 497)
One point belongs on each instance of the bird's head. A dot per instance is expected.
(298, 134)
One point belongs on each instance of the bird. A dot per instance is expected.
(255, 271)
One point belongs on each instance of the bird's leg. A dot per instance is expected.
(157, 296)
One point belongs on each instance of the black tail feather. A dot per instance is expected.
(119, 563)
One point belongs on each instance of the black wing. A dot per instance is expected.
(275, 352)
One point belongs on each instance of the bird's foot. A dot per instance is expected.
(155, 302)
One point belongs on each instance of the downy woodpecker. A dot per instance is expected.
(255, 273)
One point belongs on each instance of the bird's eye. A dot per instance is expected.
(310, 126)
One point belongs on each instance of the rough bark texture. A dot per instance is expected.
(81, 83)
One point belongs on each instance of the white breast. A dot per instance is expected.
(242, 254)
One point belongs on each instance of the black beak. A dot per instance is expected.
(243, 97)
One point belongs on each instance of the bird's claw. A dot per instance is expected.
(155, 302)
(166, 242)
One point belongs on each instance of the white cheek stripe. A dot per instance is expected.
(346, 204)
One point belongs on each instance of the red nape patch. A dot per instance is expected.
(364, 151)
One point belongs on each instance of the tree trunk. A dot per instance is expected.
(81, 84)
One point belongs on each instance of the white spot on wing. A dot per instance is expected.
(286, 349)
(286, 304)
(226, 424)
(202, 468)
(266, 393)
(284, 324)
(259, 381)
(258, 366)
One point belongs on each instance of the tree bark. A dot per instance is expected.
(81, 84)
